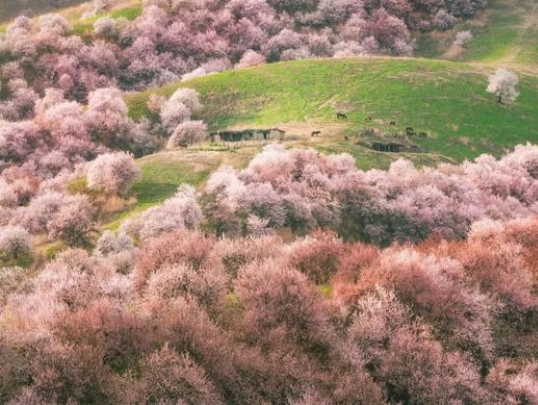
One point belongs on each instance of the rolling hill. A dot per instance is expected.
(446, 100)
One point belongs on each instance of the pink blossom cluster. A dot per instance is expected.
(305, 190)
(190, 318)
(63, 141)
(185, 39)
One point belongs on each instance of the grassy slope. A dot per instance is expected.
(497, 35)
(162, 174)
(507, 33)
(445, 99)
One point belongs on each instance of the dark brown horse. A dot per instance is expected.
(410, 131)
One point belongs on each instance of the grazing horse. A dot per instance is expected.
(423, 135)
(315, 133)
(410, 131)
(341, 116)
(392, 122)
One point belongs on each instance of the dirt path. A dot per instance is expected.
(453, 52)
(529, 12)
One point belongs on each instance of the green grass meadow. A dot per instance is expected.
(497, 37)
(161, 176)
(447, 100)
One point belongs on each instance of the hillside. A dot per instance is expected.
(446, 100)
(506, 32)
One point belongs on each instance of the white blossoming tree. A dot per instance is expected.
(503, 83)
